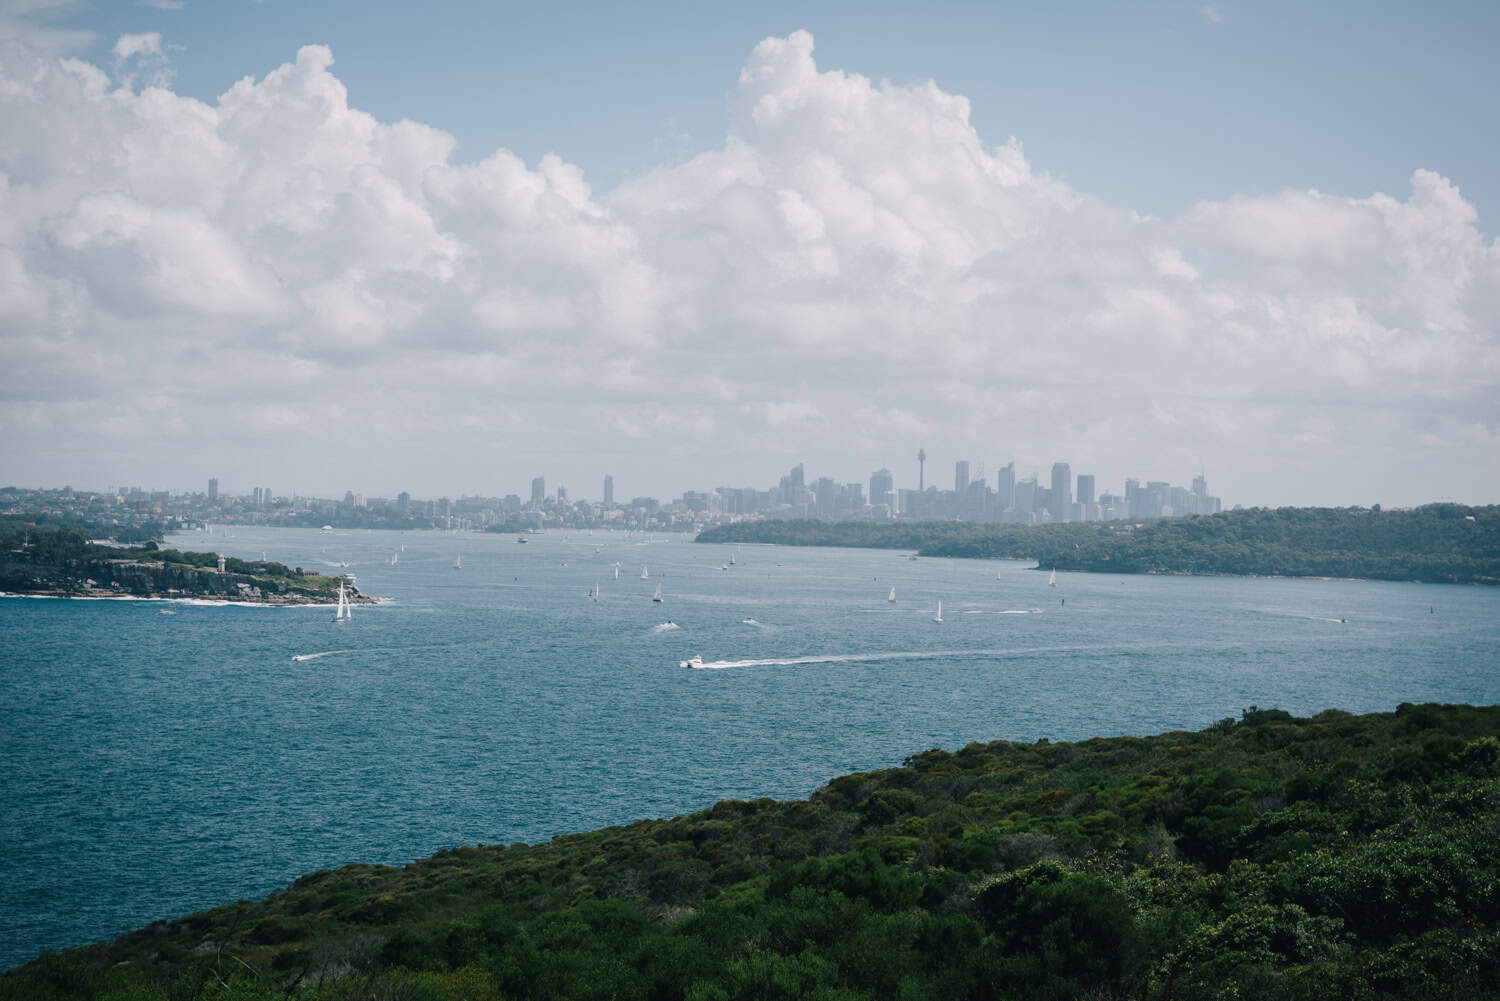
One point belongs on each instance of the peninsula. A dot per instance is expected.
(1439, 543)
(61, 561)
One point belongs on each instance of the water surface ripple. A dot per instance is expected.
(155, 765)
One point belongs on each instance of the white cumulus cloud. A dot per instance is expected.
(852, 272)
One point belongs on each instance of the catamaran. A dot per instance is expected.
(939, 616)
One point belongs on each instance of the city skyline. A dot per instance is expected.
(228, 243)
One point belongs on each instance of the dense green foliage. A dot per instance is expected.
(1269, 857)
(1437, 542)
(57, 557)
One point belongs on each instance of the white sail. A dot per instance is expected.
(892, 595)
(644, 575)
(617, 571)
(1052, 581)
(458, 562)
(657, 595)
(939, 616)
(343, 609)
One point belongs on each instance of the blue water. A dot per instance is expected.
(156, 765)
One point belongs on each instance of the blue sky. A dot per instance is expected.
(694, 247)
(1150, 106)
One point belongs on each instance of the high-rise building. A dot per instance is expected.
(882, 490)
(1005, 487)
(1085, 488)
(403, 503)
(1062, 490)
(960, 476)
(1025, 499)
(609, 488)
(538, 491)
(921, 469)
(213, 489)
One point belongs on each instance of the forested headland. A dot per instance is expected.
(1447, 543)
(1264, 856)
(58, 559)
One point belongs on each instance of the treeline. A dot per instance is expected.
(57, 556)
(1265, 856)
(952, 538)
(1436, 542)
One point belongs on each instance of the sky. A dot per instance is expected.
(326, 246)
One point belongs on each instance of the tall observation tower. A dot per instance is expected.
(921, 469)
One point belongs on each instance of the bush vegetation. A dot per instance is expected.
(1263, 857)
(1436, 542)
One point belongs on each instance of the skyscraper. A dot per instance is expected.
(538, 491)
(960, 476)
(213, 489)
(1006, 487)
(1062, 490)
(609, 488)
(881, 489)
(1085, 488)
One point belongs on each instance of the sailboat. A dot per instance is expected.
(394, 558)
(657, 596)
(939, 616)
(617, 571)
(1052, 581)
(345, 611)
(458, 562)
(892, 596)
(731, 559)
(595, 594)
(644, 575)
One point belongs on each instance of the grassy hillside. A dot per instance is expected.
(1267, 857)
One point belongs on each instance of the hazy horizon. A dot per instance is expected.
(692, 252)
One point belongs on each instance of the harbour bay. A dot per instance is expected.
(157, 764)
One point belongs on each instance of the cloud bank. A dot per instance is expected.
(280, 283)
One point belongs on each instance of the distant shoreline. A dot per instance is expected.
(274, 601)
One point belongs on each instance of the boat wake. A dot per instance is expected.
(1022, 611)
(315, 656)
(838, 658)
(756, 624)
(664, 627)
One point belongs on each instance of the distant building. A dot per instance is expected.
(538, 491)
(1062, 491)
(213, 490)
(1085, 488)
(403, 504)
(609, 489)
(882, 490)
(1005, 487)
(960, 476)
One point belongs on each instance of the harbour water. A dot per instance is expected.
(159, 764)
